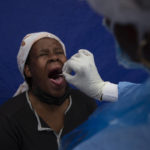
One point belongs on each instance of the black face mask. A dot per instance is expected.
(46, 98)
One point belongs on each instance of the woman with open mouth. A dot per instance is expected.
(44, 108)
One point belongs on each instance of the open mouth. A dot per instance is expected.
(56, 76)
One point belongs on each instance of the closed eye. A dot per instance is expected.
(59, 52)
(43, 54)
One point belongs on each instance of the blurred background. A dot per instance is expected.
(73, 21)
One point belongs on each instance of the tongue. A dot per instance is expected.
(57, 81)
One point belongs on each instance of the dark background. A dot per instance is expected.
(71, 20)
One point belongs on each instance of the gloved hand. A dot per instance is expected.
(86, 78)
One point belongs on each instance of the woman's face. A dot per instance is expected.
(45, 68)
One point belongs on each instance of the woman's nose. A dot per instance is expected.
(53, 57)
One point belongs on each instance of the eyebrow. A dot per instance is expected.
(58, 48)
(44, 50)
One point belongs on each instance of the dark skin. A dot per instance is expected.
(45, 55)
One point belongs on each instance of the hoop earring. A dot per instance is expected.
(145, 62)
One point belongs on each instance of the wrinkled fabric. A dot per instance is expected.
(122, 125)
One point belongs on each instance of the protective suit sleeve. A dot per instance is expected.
(122, 125)
(127, 88)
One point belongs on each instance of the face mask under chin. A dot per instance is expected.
(51, 100)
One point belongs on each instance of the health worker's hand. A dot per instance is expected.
(86, 78)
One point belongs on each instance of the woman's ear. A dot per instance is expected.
(27, 71)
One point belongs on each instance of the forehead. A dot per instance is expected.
(45, 43)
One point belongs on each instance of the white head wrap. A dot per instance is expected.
(136, 12)
(24, 50)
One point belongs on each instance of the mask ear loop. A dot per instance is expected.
(143, 44)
